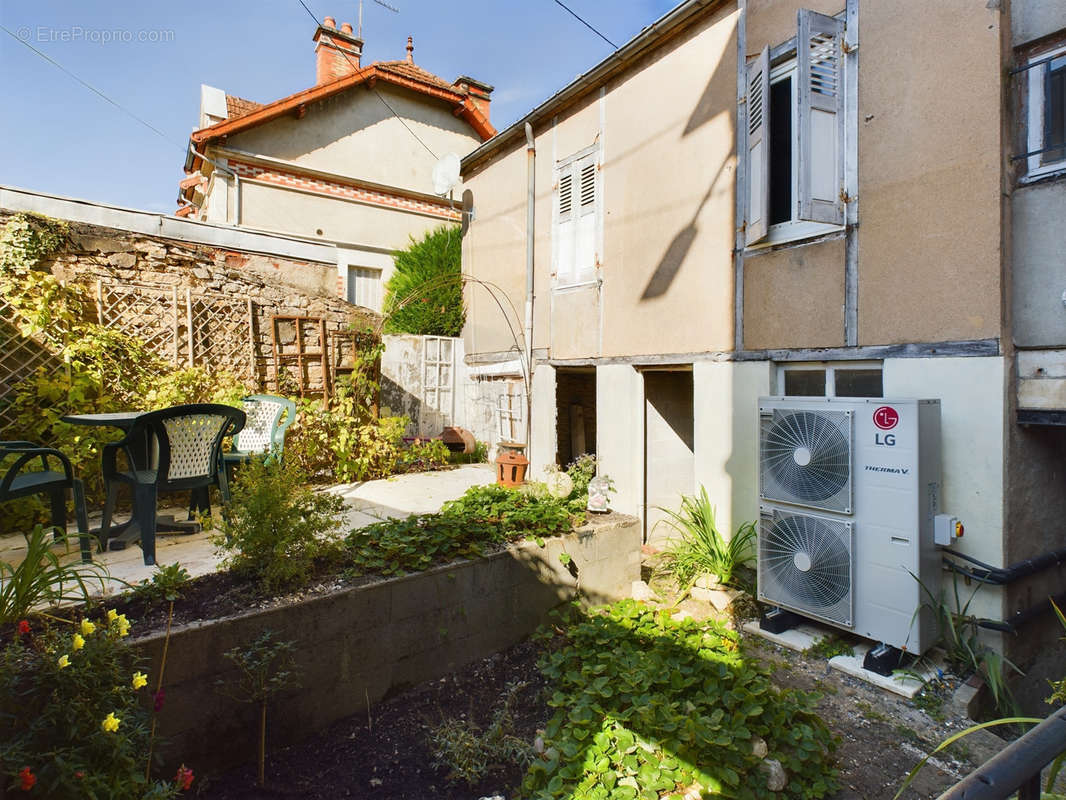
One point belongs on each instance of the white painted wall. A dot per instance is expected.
(972, 407)
(726, 396)
(620, 433)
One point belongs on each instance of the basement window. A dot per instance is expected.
(854, 379)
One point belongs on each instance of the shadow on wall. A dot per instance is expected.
(401, 402)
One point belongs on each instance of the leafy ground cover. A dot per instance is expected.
(649, 707)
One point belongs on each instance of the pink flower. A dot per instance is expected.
(184, 778)
(24, 628)
(158, 698)
(28, 779)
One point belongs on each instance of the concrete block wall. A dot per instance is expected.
(362, 644)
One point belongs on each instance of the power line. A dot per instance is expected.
(586, 24)
(94, 90)
(355, 67)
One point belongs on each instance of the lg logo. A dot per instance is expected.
(886, 418)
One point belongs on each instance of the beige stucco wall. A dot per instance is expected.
(354, 134)
(929, 172)
(795, 297)
(771, 22)
(304, 214)
(667, 175)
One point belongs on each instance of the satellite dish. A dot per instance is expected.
(445, 174)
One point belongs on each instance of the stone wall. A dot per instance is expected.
(365, 643)
(171, 292)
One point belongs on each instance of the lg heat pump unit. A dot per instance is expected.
(848, 489)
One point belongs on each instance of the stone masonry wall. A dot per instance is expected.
(220, 284)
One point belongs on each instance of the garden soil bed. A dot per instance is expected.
(881, 737)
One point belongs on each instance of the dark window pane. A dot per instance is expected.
(1054, 110)
(858, 383)
(781, 151)
(805, 382)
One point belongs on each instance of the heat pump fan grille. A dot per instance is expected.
(805, 564)
(806, 458)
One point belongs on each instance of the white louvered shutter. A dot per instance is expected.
(565, 223)
(585, 229)
(820, 117)
(758, 207)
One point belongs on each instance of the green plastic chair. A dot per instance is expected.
(269, 417)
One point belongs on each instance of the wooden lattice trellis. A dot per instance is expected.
(186, 327)
(20, 357)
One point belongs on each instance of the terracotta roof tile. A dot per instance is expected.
(238, 106)
(414, 72)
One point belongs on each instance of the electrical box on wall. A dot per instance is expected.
(946, 529)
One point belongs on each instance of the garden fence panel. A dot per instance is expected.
(20, 357)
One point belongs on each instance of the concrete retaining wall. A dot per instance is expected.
(367, 642)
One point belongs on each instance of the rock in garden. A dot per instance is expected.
(758, 747)
(719, 598)
(641, 591)
(707, 580)
(776, 777)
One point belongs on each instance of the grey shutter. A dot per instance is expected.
(758, 205)
(820, 117)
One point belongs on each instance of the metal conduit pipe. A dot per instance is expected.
(1012, 624)
(986, 573)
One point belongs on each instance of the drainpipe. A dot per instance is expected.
(236, 183)
(531, 159)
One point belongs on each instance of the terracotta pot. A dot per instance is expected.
(511, 468)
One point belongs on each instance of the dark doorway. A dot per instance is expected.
(575, 414)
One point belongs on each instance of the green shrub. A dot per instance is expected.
(700, 546)
(423, 455)
(71, 721)
(43, 578)
(482, 517)
(165, 584)
(276, 527)
(646, 706)
(424, 296)
(470, 754)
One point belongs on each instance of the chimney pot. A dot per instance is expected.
(337, 52)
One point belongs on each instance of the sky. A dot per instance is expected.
(150, 57)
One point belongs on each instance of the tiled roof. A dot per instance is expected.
(409, 70)
(238, 106)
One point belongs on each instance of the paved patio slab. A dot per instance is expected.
(367, 502)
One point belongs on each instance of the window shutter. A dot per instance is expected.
(564, 225)
(585, 229)
(758, 210)
(820, 117)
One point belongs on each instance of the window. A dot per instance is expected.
(437, 374)
(364, 287)
(855, 379)
(576, 215)
(509, 416)
(795, 164)
(1045, 103)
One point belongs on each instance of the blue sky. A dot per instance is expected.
(56, 136)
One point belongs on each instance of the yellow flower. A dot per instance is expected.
(87, 627)
(123, 625)
(112, 615)
(78, 642)
(139, 680)
(110, 723)
(64, 661)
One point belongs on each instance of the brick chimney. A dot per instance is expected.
(477, 91)
(337, 52)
